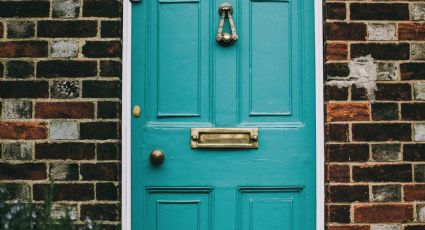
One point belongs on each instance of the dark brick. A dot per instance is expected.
(346, 193)
(337, 70)
(73, 29)
(384, 111)
(391, 213)
(1, 30)
(108, 109)
(339, 213)
(335, 93)
(345, 31)
(103, 212)
(101, 8)
(108, 151)
(24, 89)
(51, 69)
(98, 130)
(336, 132)
(411, 31)
(381, 51)
(381, 132)
(65, 192)
(414, 152)
(338, 173)
(348, 227)
(412, 71)
(379, 11)
(23, 130)
(96, 49)
(414, 192)
(358, 93)
(23, 49)
(65, 151)
(414, 227)
(111, 29)
(386, 152)
(20, 29)
(335, 11)
(107, 191)
(347, 152)
(20, 69)
(386, 193)
(419, 173)
(414, 111)
(101, 89)
(110, 69)
(393, 92)
(33, 9)
(25, 171)
(99, 171)
(70, 110)
(383, 173)
(1, 70)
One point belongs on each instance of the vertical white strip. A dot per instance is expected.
(126, 119)
(320, 132)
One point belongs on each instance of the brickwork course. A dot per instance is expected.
(60, 88)
(60, 76)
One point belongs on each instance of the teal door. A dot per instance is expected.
(183, 80)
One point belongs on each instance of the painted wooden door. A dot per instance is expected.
(182, 79)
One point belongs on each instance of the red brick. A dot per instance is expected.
(338, 173)
(345, 31)
(415, 192)
(76, 110)
(23, 49)
(27, 171)
(23, 130)
(411, 31)
(347, 112)
(336, 51)
(397, 213)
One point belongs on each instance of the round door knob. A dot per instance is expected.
(157, 157)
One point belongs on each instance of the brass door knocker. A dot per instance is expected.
(223, 38)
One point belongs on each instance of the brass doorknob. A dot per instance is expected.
(157, 157)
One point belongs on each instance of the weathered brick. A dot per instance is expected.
(65, 192)
(108, 109)
(386, 152)
(110, 69)
(413, 111)
(386, 193)
(64, 171)
(111, 29)
(67, 29)
(76, 110)
(384, 111)
(107, 191)
(335, 93)
(339, 213)
(99, 171)
(396, 213)
(65, 49)
(24, 171)
(379, 11)
(15, 49)
(414, 192)
(419, 91)
(349, 227)
(23, 130)
(417, 11)
(15, 192)
(412, 71)
(419, 173)
(101, 89)
(97, 49)
(393, 92)
(101, 8)
(419, 132)
(414, 152)
(20, 29)
(61, 210)
(335, 10)
(385, 227)
(381, 32)
(63, 130)
(345, 31)
(411, 31)
(51, 69)
(12, 9)
(104, 212)
(347, 112)
(380, 51)
(382, 173)
(338, 173)
(417, 51)
(387, 71)
(20, 69)
(17, 151)
(64, 151)
(336, 51)
(381, 132)
(108, 151)
(24, 89)
(16, 109)
(65, 89)
(336, 132)
(420, 213)
(346, 193)
(98, 130)
(65, 8)
(347, 152)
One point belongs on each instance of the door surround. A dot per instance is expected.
(126, 118)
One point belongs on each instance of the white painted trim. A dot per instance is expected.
(126, 118)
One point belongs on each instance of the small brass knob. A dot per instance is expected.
(157, 157)
(136, 111)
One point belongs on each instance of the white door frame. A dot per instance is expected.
(126, 118)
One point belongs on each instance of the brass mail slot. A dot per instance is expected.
(244, 138)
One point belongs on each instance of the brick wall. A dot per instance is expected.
(375, 102)
(60, 74)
